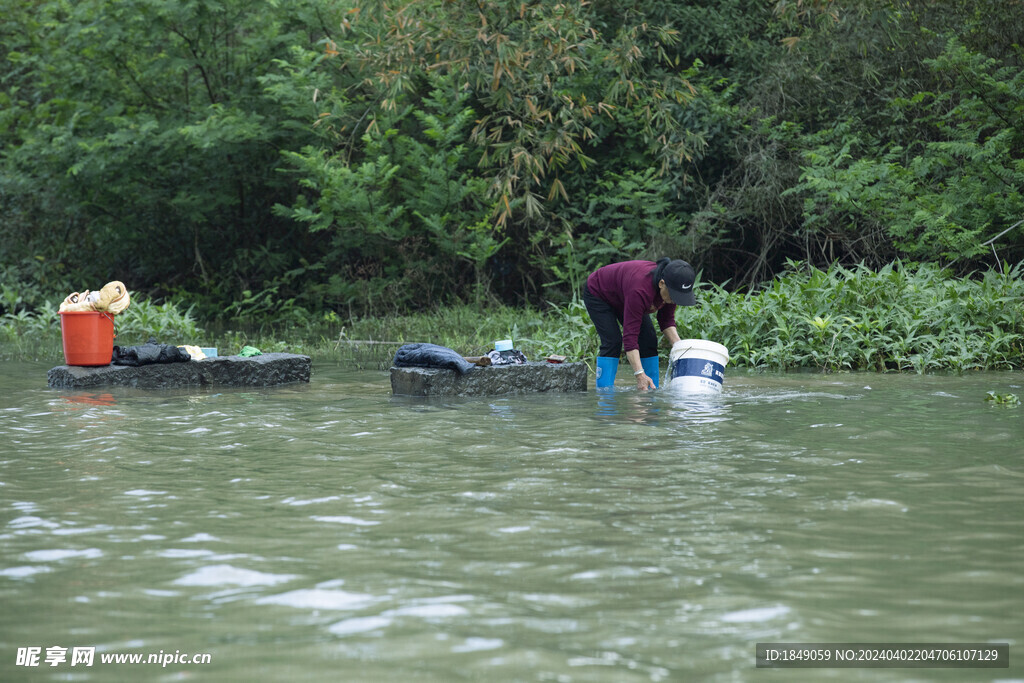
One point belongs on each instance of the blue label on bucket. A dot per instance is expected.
(699, 367)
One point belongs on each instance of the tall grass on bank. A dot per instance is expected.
(470, 330)
(365, 342)
(902, 318)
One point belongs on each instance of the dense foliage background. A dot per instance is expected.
(302, 158)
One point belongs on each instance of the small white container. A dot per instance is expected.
(697, 366)
(503, 345)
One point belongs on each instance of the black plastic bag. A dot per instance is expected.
(149, 353)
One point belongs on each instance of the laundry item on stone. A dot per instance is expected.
(112, 298)
(425, 355)
(148, 353)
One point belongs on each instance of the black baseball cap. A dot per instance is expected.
(679, 276)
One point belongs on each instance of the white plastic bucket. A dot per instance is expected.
(697, 366)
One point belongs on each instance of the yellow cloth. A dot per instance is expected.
(112, 298)
(194, 351)
(77, 301)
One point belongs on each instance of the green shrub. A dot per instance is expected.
(946, 195)
(903, 317)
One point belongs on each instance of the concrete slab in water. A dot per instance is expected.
(224, 371)
(490, 381)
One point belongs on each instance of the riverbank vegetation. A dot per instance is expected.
(901, 318)
(402, 170)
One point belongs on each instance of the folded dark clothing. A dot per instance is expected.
(430, 356)
(149, 353)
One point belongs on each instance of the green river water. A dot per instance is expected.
(331, 531)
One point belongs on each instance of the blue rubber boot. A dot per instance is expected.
(650, 366)
(606, 369)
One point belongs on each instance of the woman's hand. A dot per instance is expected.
(643, 382)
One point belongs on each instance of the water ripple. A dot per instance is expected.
(621, 537)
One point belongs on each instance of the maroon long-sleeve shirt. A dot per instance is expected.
(628, 288)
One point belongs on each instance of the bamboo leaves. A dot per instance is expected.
(537, 71)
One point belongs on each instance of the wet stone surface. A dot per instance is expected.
(266, 370)
(489, 381)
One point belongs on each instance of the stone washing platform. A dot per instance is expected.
(269, 369)
(489, 381)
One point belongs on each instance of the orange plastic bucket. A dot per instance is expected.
(88, 337)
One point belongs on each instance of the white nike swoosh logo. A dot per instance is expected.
(685, 287)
